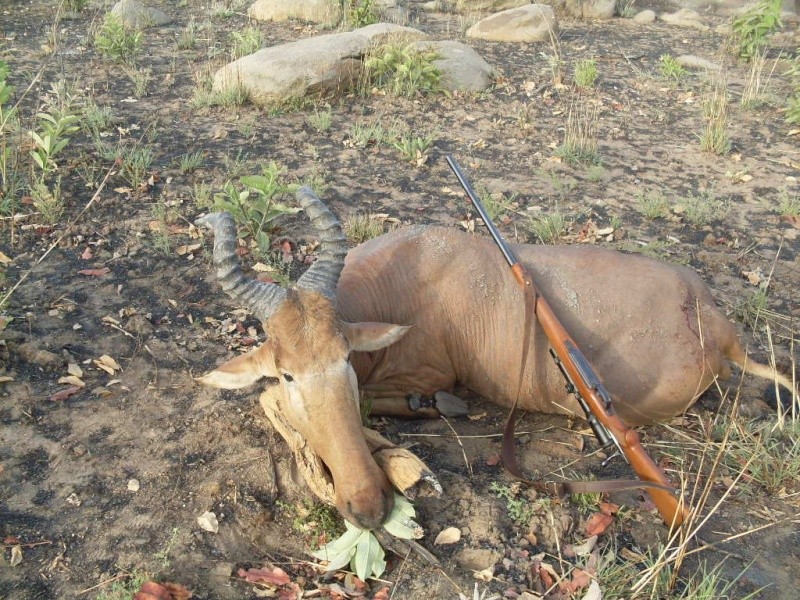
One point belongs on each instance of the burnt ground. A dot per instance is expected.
(65, 465)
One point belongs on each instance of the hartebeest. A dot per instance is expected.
(421, 309)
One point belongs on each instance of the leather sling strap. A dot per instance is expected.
(508, 454)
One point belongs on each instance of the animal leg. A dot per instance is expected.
(737, 355)
(417, 406)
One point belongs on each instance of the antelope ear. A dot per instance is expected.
(241, 371)
(369, 336)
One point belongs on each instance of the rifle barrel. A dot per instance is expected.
(501, 243)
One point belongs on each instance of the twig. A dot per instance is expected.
(465, 437)
(463, 452)
(103, 583)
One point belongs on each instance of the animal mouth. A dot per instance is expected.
(370, 521)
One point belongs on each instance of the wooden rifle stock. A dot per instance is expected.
(583, 382)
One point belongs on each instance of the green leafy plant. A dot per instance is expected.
(714, 138)
(586, 73)
(321, 120)
(403, 70)
(360, 13)
(256, 206)
(316, 522)
(704, 207)
(580, 136)
(671, 68)
(135, 163)
(360, 548)
(652, 204)
(76, 5)
(788, 204)
(519, 509)
(549, 227)
(9, 179)
(414, 149)
(117, 42)
(360, 228)
(191, 161)
(246, 41)
(126, 588)
(792, 109)
(51, 138)
(752, 29)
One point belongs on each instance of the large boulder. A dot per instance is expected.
(324, 12)
(466, 6)
(322, 64)
(462, 68)
(532, 23)
(135, 15)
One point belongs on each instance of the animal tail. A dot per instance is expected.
(737, 355)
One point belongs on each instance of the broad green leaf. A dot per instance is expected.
(403, 528)
(361, 563)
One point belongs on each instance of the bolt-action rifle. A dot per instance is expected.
(581, 381)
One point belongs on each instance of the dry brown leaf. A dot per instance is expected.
(793, 220)
(631, 556)
(609, 508)
(447, 536)
(71, 380)
(486, 574)
(64, 394)
(74, 369)
(188, 248)
(166, 591)
(108, 364)
(5, 378)
(4, 260)
(268, 575)
(598, 523)
(208, 522)
(16, 555)
(94, 272)
(87, 254)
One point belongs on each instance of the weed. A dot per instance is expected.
(247, 41)
(188, 37)
(163, 555)
(402, 69)
(255, 207)
(115, 41)
(47, 200)
(554, 60)
(653, 204)
(414, 149)
(229, 97)
(225, 9)
(360, 13)
(191, 161)
(519, 509)
(580, 136)
(75, 6)
(201, 192)
(704, 207)
(625, 8)
(715, 138)
(321, 120)
(140, 79)
(362, 134)
(235, 166)
(317, 522)
(496, 205)
(595, 173)
(755, 90)
(671, 69)
(125, 589)
(135, 162)
(95, 119)
(792, 109)
(9, 179)
(548, 227)
(788, 204)
(586, 73)
(752, 29)
(360, 227)
(748, 310)
(54, 128)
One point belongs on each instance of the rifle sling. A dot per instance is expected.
(508, 454)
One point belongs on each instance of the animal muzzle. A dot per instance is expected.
(364, 499)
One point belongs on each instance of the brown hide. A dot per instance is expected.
(650, 329)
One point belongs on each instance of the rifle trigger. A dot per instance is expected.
(607, 460)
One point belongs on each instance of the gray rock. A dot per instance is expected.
(33, 353)
(323, 64)
(695, 62)
(584, 9)
(645, 16)
(135, 15)
(685, 18)
(532, 23)
(324, 12)
(471, 6)
(462, 68)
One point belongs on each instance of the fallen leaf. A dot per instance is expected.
(208, 522)
(6, 378)
(71, 380)
(64, 394)
(609, 508)
(493, 459)
(594, 592)
(598, 523)
(793, 220)
(268, 575)
(87, 254)
(5, 260)
(447, 536)
(74, 369)
(631, 556)
(580, 579)
(16, 555)
(94, 272)
(753, 277)
(188, 248)
(166, 591)
(108, 364)
(381, 594)
(486, 575)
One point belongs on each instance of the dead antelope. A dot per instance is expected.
(421, 309)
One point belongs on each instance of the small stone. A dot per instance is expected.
(695, 62)
(135, 15)
(208, 522)
(133, 485)
(644, 17)
(477, 559)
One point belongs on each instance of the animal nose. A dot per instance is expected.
(369, 512)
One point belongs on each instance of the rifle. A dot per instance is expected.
(581, 381)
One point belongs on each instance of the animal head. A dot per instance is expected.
(306, 354)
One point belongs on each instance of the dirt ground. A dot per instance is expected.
(66, 465)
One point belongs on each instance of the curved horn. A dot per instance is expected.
(261, 298)
(324, 273)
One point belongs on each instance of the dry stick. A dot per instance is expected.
(47, 252)
(400, 574)
(467, 437)
(463, 452)
(103, 583)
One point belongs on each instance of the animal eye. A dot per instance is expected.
(288, 378)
